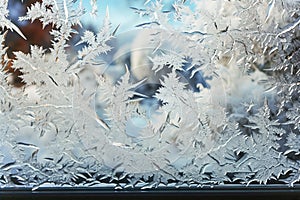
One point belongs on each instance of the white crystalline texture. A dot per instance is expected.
(206, 93)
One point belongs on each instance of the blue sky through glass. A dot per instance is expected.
(119, 12)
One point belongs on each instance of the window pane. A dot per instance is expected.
(155, 94)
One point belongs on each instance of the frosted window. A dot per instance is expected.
(179, 94)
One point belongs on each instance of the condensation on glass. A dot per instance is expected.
(195, 93)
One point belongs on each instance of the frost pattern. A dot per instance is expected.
(222, 104)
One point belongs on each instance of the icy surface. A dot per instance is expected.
(201, 93)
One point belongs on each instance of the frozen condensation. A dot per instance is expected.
(201, 93)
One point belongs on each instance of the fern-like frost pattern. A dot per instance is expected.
(207, 93)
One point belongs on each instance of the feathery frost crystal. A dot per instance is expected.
(200, 93)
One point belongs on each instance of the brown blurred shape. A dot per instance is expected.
(35, 35)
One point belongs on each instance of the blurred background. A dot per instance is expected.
(130, 44)
(120, 13)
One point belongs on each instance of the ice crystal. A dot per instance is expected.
(208, 95)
